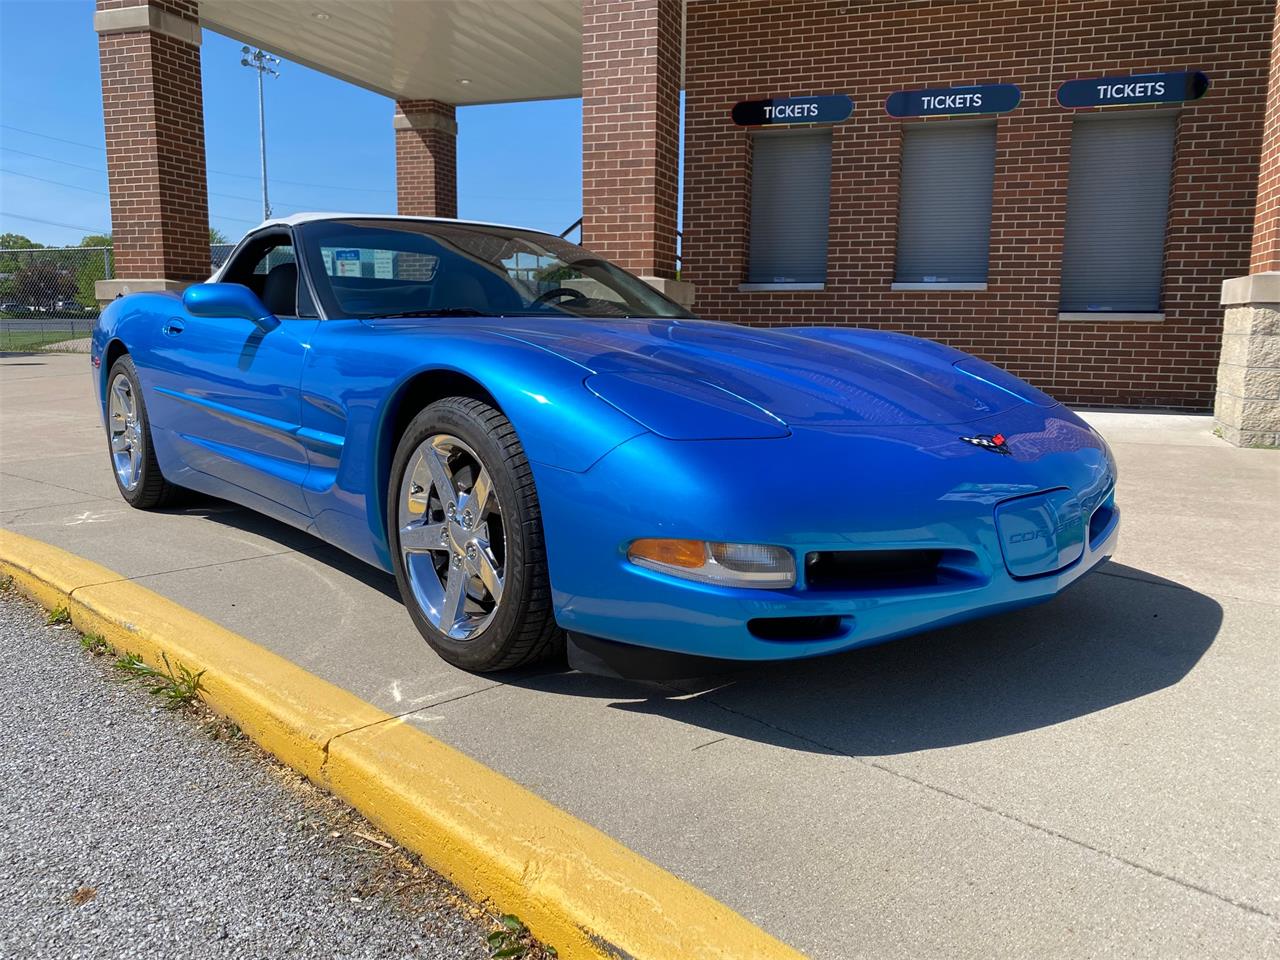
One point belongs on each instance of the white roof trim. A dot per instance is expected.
(294, 219)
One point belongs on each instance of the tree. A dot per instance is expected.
(16, 241)
(96, 240)
(11, 263)
(217, 236)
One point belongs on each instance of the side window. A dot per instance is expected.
(944, 207)
(790, 206)
(268, 267)
(1117, 209)
(273, 258)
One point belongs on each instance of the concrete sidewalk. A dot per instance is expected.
(1094, 776)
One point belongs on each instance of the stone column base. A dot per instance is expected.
(104, 291)
(1247, 406)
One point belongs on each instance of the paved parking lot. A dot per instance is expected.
(1095, 776)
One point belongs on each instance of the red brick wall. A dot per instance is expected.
(748, 49)
(1266, 226)
(154, 116)
(630, 131)
(427, 162)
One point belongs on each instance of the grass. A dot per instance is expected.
(58, 615)
(512, 940)
(177, 688)
(22, 341)
(96, 644)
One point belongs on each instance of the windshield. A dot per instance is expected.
(365, 268)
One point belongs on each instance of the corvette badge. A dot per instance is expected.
(996, 443)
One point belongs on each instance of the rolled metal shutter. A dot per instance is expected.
(944, 207)
(790, 202)
(1117, 209)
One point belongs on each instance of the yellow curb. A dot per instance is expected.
(288, 711)
(576, 888)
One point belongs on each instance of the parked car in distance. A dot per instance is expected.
(545, 451)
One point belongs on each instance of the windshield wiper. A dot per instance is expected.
(439, 312)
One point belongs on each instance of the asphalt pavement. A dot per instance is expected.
(127, 830)
(1096, 776)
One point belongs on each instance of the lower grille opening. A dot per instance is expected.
(798, 628)
(882, 570)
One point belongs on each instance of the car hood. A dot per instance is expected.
(694, 379)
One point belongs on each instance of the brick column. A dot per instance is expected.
(149, 52)
(426, 158)
(1247, 405)
(630, 136)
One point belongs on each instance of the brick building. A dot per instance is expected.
(1060, 186)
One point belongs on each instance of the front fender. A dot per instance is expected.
(359, 374)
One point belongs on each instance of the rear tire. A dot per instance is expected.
(465, 532)
(133, 457)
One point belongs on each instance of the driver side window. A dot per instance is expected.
(268, 267)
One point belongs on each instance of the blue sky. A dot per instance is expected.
(329, 144)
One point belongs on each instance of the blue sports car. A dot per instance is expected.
(546, 451)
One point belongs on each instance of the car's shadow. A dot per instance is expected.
(249, 521)
(1117, 635)
(1114, 636)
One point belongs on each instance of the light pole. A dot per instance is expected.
(264, 63)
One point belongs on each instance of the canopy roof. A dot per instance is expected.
(456, 51)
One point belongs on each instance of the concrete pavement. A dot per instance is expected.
(1094, 776)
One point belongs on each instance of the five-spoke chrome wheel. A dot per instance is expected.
(452, 537)
(126, 432)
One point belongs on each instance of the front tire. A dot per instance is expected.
(465, 532)
(133, 457)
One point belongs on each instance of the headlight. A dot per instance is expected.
(731, 564)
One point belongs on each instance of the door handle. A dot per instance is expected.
(173, 327)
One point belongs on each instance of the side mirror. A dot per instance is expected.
(226, 300)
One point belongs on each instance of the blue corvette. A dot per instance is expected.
(544, 449)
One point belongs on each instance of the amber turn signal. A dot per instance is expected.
(676, 553)
(758, 565)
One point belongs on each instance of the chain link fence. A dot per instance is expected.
(47, 297)
(46, 294)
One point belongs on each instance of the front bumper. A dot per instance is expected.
(814, 492)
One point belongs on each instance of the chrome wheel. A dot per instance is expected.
(452, 537)
(126, 434)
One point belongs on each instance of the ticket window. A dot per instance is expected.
(790, 203)
(1117, 211)
(944, 209)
